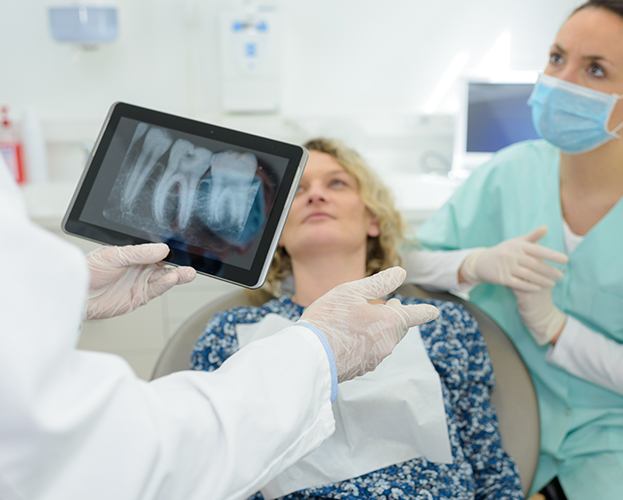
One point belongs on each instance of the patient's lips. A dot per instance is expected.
(156, 142)
(317, 216)
(187, 164)
(232, 191)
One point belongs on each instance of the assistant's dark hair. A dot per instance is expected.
(614, 6)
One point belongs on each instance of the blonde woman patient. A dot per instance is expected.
(343, 226)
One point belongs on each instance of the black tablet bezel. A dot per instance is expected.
(251, 278)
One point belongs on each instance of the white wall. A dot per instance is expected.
(389, 55)
(341, 56)
(359, 69)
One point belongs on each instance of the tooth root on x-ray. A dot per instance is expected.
(139, 132)
(156, 143)
(186, 166)
(232, 191)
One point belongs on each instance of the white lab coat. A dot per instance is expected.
(79, 425)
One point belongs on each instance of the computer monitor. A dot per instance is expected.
(492, 116)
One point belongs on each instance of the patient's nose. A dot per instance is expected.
(315, 194)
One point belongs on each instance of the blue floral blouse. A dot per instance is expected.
(480, 467)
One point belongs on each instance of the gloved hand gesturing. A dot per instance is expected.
(361, 334)
(124, 278)
(517, 263)
(544, 320)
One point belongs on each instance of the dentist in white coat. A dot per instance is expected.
(77, 425)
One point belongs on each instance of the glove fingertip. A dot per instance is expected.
(536, 234)
(186, 274)
(378, 285)
(429, 311)
(415, 314)
(561, 258)
(160, 284)
(160, 250)
(168, 278)
(390, 279)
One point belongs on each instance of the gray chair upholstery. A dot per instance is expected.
(514, 396)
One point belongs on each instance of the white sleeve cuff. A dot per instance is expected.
(588, 355)
(437, 270)
(560, 352)
(329, 352)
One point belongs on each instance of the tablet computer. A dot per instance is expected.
(218, 197)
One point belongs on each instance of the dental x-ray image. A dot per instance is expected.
(217, 197)
(192, 192)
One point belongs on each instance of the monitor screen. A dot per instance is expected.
(497, 115)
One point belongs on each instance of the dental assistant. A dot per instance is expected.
(556, 290)
(77, 425)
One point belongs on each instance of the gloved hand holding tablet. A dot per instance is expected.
(217, 197)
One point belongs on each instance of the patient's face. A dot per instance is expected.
(327, 213)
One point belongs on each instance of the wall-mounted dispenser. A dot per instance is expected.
(87, 24)
(251, 58)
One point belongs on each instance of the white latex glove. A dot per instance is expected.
(361, 334)
(544, 320)
(124, 278)
(516, 263)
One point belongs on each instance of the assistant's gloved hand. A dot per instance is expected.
(516, 263)
(544, 320)
(124, 278)
(361, 334)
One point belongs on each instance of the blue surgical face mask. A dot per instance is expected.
(571, 117)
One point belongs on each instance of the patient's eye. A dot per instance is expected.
(338, 183)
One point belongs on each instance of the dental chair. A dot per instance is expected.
(514, 396)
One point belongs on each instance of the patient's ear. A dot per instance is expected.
(374, 228)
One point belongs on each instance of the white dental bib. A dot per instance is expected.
(391, 415)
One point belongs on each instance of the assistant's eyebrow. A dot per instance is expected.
(590, 57)
(596, 58)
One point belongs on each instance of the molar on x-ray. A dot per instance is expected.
(155, 144)
(171, 188)
(228, 197)
(185, 168)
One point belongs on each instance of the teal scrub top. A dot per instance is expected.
(514, 193)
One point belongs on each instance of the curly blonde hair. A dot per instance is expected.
(382, 250)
